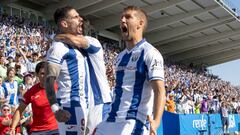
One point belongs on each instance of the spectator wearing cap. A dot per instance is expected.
(11, 88)
(6, 120)
(27, 84)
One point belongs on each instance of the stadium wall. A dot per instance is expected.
(192, 124)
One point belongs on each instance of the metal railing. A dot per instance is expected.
(233, 9)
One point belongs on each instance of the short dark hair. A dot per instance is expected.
(61, 13)
(18, 55)
(39, 66)
(140, 12)
(35, 54)
(10, 69)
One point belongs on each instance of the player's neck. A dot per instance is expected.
(11, 80)
(132, 43)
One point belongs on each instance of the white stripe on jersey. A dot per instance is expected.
(72, 85)
(99, 83)
(133, 93)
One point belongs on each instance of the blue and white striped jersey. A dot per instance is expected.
(10, 92)
(98, 79)
(73, 77)
(133, 94)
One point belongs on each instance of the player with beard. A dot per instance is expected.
(139, 98)
(68, 66)
(99, 90)
(100, 97)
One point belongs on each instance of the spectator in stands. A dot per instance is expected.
(204, 105)
(234, 105)
(11, 88)
(2, 93)
(20, 64)
(3, 68)
(31, 64)
(238, 110)
(11, 62)
(43, 119)
(5, 119)
(170, 104)
(214, 105)
(28, 82)
(184, 102)
(197, 107)
(224, 115)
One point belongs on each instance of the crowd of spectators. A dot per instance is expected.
(110, 54)
(189, 89)
(192, 90)
(22, 45)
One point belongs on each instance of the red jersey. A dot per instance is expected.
(3, 128)
(43, 117)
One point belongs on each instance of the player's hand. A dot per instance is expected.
(62, 115)
(73, 40)
(66, 38)
(12, 131)
(153, 125)
(18, 42)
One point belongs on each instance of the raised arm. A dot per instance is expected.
(16, 117)
(20, 49)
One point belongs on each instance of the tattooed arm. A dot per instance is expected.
(52, 71)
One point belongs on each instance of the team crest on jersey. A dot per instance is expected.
(135, 57)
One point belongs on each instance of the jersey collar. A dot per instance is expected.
(137, 45)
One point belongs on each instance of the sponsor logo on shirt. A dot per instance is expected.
(130, 68)
(70, 127)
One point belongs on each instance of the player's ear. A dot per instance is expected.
(64, 24)
(141, 24)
